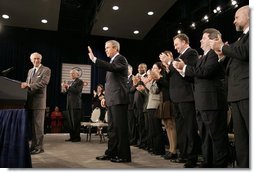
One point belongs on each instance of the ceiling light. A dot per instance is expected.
(193, 25)
(179, 31)
(44, 21)
(136, 32)
(233, 2)
(150, 13)
(205, 18)
(5, 16)
(105, 28)
(218, 9)
(115, 7)
(214, 11)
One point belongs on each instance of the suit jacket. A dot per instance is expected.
(139, 97)
(116, 86)
(154, 98)
(237, 69)
(209, 88)
(74, 94)
(37, 93)
(181, 89)
(131, 94)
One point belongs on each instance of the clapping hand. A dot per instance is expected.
(178, 65)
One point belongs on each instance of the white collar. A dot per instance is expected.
(37, 67)
(246, 30)
(112, 59)
(185, 50)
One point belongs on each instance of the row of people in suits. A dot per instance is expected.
(198, 90)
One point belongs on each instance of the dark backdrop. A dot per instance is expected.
(16, 45)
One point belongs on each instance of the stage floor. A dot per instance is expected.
(61, 154)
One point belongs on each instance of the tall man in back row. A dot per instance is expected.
(237, 70)
(116, 98)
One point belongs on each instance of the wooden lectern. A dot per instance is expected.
(11, 94)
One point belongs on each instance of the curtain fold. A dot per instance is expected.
(14, 139)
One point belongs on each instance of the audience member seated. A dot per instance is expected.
(98, 95)
(56, 120)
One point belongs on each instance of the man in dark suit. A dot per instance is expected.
(210, 101)
(138, 106)
(237, 71)
(131, 116)
(181, 93)
(37, 80)
(73, 105)
(116, 98)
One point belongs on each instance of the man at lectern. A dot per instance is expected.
(37, 80)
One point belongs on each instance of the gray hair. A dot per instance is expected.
(35, 54)
(115, 44)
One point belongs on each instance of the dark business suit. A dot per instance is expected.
(36, 103)
(211, 106)
(117, 99)
(131, 115)
(73, 106)
(237, 72)
(138, 105)
(181, 93)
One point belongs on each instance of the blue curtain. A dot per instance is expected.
(14, 146)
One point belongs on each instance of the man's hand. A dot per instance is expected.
(216, 44)
(165, 59)
(178, 64)
(91, 55)
(24, 85)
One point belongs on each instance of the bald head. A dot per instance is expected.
(242, 17)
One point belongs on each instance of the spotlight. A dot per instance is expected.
(115, 8)
(205, 18)
(150, 13)
(105, 28)
(193, 25)
(5, 16)
(179, 31)
(218, 9)
(233, 2)
(136, 32)
(44, 21)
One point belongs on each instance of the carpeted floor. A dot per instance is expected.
(61, 154)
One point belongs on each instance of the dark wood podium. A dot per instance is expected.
(14, 125)
(11, 95)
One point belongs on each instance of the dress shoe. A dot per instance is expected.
(119, 160)
(37, 151)
(170, 156)
(68, 140)
(190, 165)
(75, 140)
(203, 165)
(179, 160)
(104, 157)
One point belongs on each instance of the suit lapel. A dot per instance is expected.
(201, 60)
